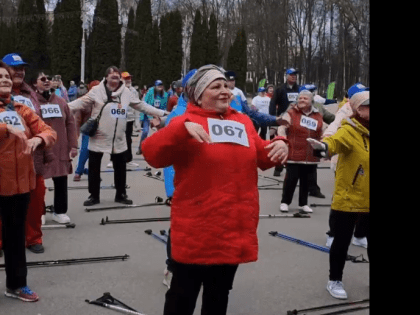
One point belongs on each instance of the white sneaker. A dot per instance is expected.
(43, 219)
(329, 241)
(132, 164)
(167, 277)
(306, 209)
(61, 218)
(110, 165)
(360, 241)
(336, 289)
(284, 207)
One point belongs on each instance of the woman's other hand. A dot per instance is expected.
(197, 132)
(279, 151)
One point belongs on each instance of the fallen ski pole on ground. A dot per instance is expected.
(129, 170)
(65, 262)
(110, 302)
(165, 234)
(86, 187)
(314, 309)
(294, 215)
(315, 246)
(161, 239)
(320, 205)
(149, 175)
(107, 221)
(158, 202)
(348, 310)
(58, 226)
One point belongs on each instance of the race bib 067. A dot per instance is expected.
(12, 118)
(227, 131)
(308, 122)
(51, 111)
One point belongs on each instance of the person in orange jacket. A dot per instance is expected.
(21, 133)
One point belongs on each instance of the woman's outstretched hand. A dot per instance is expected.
(279, 151)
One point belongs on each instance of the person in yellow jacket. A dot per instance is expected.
(351, 198)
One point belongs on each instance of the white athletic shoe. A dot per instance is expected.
(329, 241)
(110, 165)
(362, 241)
(284, 207)
(61, 218)
(132, 164)
(167, 277)
(306, 209)
(336, 289)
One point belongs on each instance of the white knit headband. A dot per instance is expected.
(205, 81)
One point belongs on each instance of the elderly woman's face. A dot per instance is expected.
(304, 101)
(43, 83)
(5, 82)
(113, 80)
(216, 96)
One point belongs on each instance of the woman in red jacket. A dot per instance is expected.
(215, 152)
(18, 123)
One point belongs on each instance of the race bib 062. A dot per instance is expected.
(12, 118)
(227, 131)
(51, 111)
(308, 122)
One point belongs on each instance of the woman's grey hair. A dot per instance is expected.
(200, 80)
(309, 93)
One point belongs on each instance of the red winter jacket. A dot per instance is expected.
(300, 149)
(215, 207)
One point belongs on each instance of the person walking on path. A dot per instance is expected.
(351, 202)
(22, 131)
(113, 98)
(300, 122)
(205, 198)
(173, 99)
(56, 113)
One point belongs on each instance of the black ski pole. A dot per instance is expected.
(65, 262)
(86, 187)
(158, 202)
(107, 221)
(149, 232)
(58, 226)
(164, 234)
(129, 170)
(349, 310)
(113, 307)
(320, 205)
(109, 299)
(294, 215)
(149, 175)
(314, 309)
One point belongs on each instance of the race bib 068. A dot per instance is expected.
(118, 111)
(24, 100)
(227, 131)
(51, 111)
(12, 118)
(308, 122)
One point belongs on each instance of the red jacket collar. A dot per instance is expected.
(196, 110)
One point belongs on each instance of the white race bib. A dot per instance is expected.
(118, 111)
(227, 131)
(12, 118)
(157, 103)
(308, 122)
(24, 100)
(51, 111)
(292, 97)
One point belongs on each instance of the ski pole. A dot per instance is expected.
(320, 205)
(349, 310)
(58, 226)
(158, 202)
(149, 232)
(314, 309)
(294, 215)
(113, 307)
(107, 221)
(64, 262)
(86, 187)
(129, 170)
(109, 299)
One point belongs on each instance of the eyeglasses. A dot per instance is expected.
(44, 79)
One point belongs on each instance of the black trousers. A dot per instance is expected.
(168, 252)
(263, 132)
(13, 211)
(128, 135)
(297, 172)
(60, 194)
(217, 281)
(313, 181)
(94, 176)
(359, 231)
(344, 223)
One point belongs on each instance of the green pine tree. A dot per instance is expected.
(131, 38)
(237, 58)
(105, 42)
(198, 46)
(212, 54)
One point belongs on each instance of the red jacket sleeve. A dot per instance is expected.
(38, 127)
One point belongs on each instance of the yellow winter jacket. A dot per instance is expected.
(351, 143)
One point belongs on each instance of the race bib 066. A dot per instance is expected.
(292, 97)
(228, 131)
(12, 118)
(24, 100)
(308, 122)
(118, 111)
(51, 111)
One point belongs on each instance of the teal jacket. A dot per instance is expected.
(158, 101)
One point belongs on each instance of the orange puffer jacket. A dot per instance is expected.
(17, 173)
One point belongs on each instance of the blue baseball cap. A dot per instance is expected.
(230, 75)
(261, 89)
(13, 60)
(158, 82)
(309, 87)
(358, 87)
(291, 71)
(188, 76)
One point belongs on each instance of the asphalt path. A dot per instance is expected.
(287, 276)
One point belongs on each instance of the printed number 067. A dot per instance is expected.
(228, 130)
